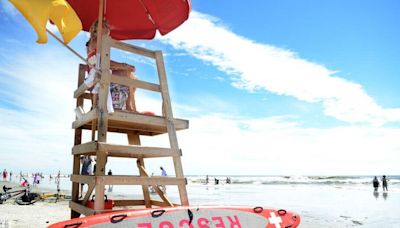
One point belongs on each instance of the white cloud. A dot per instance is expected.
(256, 66)
(36, 134)
(275, 146)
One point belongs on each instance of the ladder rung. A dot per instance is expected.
(131, 121)
(130, 151)
(86, 118)
(128, 180)
(135, 83)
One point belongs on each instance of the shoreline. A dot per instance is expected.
(318, 206)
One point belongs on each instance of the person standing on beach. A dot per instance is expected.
(164, 174)
(35, 179)
(110, 187)
(94, 166)
(57, 179)
(5, 174)
(86, 161)
(384, 183)
(375, 183)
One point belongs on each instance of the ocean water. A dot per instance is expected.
(199, 181)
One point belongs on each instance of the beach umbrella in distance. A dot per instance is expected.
(134, 19)
(59, 12)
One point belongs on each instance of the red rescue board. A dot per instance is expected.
(190, 217)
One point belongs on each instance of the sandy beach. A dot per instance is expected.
(318, 206)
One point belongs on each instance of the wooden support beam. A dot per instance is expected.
(81, 90)
(128, 121)
(145, 188)
(134, 139)
(162, 76)
(145, 120)
(86, 179)
(135, 83)
(85, 149)
(137, 180)
(77, 141)
(122, 203)
(127, 151)
(81, 209)
(88, 194)
(132, 48)
(161, 203)
(155, 187)
(101, 161)
(104, 89)
(102, 120)
(136, 151)
(87, 96)
(88, 117)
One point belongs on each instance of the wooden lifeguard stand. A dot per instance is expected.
(134, 125)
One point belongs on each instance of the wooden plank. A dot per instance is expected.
(161, 203)
(162, 75)
(132, 151)
(77, 141)
(122, 203)
(102, 121)
(132, 48)
(104, 90)
(81, 90)
(145, 188)
(145, 120)
(134, 139)
(137, 180)
(85, 149)
(135, 83)
(86, 179)
(155, 187)
(75, 185)
(87, 96)
(123, 122)
(88, 117)
(88, 194)
(94, 122)
(81, 209)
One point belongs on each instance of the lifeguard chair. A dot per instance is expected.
(132, 124)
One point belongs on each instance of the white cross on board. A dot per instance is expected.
(275, 220)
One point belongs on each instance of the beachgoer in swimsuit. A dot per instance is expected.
(384, 183)
(375, 183)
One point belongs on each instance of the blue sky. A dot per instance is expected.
(269, 87)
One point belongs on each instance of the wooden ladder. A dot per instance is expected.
(134, 125)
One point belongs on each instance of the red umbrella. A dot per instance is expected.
(134, 19)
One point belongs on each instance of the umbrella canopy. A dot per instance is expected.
(134, 19)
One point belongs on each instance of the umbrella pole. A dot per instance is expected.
(68, 47)
(99, 32)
